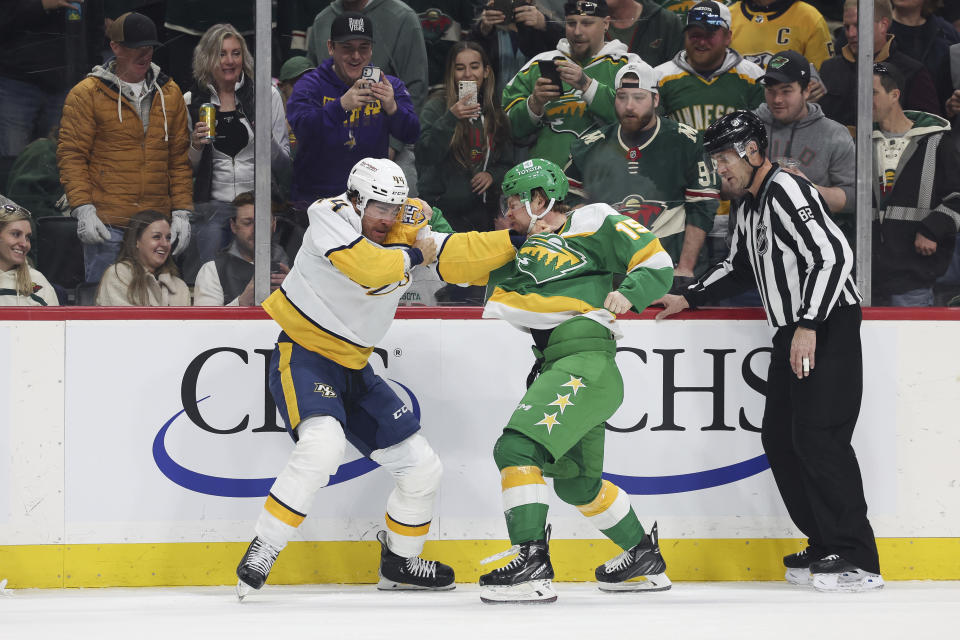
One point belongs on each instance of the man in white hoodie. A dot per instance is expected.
(586, 66)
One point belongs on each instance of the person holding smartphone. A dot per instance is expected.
(465, 147)
(586, 65)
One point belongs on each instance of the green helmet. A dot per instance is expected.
(533, 173)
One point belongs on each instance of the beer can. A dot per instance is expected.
(208, 114)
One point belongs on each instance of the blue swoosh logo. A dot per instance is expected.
(247, 487)
(657, 485)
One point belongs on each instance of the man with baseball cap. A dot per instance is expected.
(345, 109)
(586, 65)
(136, 158)
(650, 168)
(400, 50)
(801, 138)
(705, 81)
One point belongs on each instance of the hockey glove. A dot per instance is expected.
(90, 229)
(180, 231)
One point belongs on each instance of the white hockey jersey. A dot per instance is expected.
(343, 290)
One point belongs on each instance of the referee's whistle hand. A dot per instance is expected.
(671, 304)
(802, 351)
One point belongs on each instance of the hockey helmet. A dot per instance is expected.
(377, 179)
(734, 131)
(536, 172)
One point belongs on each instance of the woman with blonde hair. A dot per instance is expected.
(144, 275)
(20, 284)
(223, 164)
(465, 146)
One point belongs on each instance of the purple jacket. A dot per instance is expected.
(330, 140)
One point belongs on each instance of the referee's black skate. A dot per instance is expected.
(255, 566)
(640, 568)
(525, 579)
(399, 573)
(798, 566)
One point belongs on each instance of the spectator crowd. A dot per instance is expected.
(127, 130)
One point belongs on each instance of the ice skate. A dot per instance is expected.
(255, 566)
(525, 579)
(798, 566)
(833, 574)
(399, 573)
(640, 568)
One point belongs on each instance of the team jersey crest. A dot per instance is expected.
(548, 257)
(641, 210)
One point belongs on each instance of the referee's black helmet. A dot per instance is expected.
(734, 131)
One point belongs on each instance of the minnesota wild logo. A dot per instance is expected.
(548, 257)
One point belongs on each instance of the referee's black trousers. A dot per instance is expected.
(807, 428)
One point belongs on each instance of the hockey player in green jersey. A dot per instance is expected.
(586, 66)
(650, 168)
(560, 290)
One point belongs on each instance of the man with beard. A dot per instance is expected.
(650, 168)
(705, 81)
(786, 243)
(586, 67)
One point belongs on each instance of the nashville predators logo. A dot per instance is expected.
(643, 211)
(324, 390)
(548, 257)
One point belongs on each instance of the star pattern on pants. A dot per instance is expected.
(550, 421)
(575, 383)
(562, 401)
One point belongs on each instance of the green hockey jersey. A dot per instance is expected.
(559, 276)
(664, 184)
(573, 113)
(688, 97)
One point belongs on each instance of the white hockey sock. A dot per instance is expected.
(417, 470)
(316, 457)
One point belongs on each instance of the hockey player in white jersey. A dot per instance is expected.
(334, 306)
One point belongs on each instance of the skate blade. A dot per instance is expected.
(653, 582)
(391, 585)
(800, 577)
(243, 590)
(831, 583)
(533, 592)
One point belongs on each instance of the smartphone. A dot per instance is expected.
(505, 7)
(371, 75)
(548, 70)
(468, 89)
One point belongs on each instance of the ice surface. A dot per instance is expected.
(744, 610)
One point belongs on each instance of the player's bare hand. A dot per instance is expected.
(357, 95)
(481, 182)
(465, 109)
(671, 304)
(924, 245)
(802, 350)
(541, 226)
(543, 92)
(383, 91)
(572, 73)
(817, 90)
(428, 248)
(617, 303)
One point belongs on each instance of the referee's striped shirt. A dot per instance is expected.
(796, 254)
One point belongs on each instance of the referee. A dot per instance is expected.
(786, 243)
